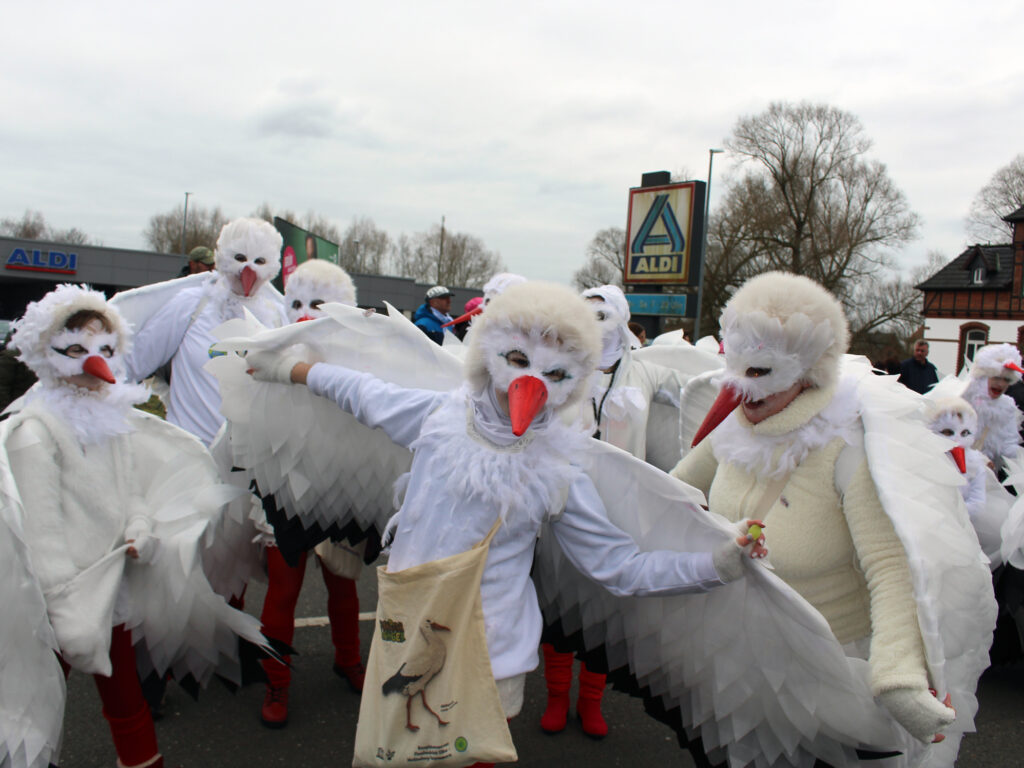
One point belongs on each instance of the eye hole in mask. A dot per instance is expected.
(755, 373)
(516, 359)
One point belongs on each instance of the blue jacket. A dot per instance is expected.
(425, 319)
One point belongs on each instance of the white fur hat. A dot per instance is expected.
(956, 415)
(613, 296)
(45, 318)
(992, 360)
(542, 312)
(317, 279)
(787, 325)
(500, 283)
(253, 238)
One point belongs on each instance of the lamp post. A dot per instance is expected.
(707, 208)
(184, 222)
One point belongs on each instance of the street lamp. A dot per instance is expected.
(707, 208)
(184, 222)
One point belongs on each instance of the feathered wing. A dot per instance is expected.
(664, 449)
(750, 668)
(137, 305)
(919, 489)
(313, 463)
(31, 681)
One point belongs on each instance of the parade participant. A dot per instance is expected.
(954, 418)
(103, 512)
(432, 316)
(794, 453)
(616, 412)
(174, 321)
(995, 368)
(312, 284)
(496, 447)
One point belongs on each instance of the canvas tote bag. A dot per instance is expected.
(429, 697)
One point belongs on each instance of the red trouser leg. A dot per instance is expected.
(126, 711)
(278, 617)
(588, 705)
(558, 676)
(343, 612)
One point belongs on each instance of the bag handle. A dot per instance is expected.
(486, 542)
(770, 496)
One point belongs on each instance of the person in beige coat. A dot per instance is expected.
(792, 453)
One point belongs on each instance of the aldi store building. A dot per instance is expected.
(31, 268)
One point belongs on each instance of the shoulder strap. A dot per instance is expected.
(771, 494)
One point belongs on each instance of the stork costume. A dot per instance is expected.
(497, 448)
(995, 368)
(617, 412)
(955, 419)
(103, 515)
(309, 286)
(179, 331)
(795, 453)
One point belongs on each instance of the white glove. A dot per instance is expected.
(917, 710)
(137, 535)
(271, 365)
(728, 557)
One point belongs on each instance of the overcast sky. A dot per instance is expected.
(523, 123)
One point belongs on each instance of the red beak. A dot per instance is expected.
(724, 404)
(960, 457)
(249, 278)
(463, 318)
(97, 366)
(304, 318)
(1013, 367)
(526, 396)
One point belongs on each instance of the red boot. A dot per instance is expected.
(558, 676)
(588, 705)
(274, 712)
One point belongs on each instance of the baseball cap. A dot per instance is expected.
(438, 291)
(202, 254)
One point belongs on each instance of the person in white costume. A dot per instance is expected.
(497, 448)
(179, 332)
(106, 508)
(616, 412)
(312, 284)
(792, 453)
(995, 368)
(955, 419)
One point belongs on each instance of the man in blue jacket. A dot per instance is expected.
(434, 312)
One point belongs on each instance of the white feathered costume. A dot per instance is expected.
(999, 419)
(86, 479)
(174, 321)
(864, 518)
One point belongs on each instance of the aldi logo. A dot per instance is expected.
(664, 230)
(37, 260)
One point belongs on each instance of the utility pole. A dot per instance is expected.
(440, 257)
(184, 223)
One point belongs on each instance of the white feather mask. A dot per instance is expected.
(248, 243)
(69, 349)
(959, 424)
(782, 353)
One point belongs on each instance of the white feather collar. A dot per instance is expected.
(468, 443)
(777, 445)
(91, 416)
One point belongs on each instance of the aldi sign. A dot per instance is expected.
(38, 260)
(664, 234)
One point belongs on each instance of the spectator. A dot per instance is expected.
(916, 372)
(433, 313)
(200, 259)
(638, 331)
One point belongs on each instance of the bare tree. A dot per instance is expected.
(1003, 195)
(464, 260)
(365, 249)
(32, 226)
(313, 222)
(163, 232)
(806, 201)
(606, 259)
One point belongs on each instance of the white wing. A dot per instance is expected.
(309, 459)
(751, 668)
(696, 400)
(137, 305)
(31, 681)
(664, 449)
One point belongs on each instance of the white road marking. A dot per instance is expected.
(323, 621)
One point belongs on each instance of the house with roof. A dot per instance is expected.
(976, 299)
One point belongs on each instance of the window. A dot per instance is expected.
(973, 336)
(979, 275)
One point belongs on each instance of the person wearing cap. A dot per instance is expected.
(995, 368)
(433, 313)
(200, 259)
(788, 441)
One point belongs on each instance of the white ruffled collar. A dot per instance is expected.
(92, 416)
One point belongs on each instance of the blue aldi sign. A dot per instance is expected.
(664, 234)
(658, 304)
(38, 260)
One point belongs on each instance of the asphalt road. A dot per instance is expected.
(223, 729)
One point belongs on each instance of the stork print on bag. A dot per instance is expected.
(422, 664)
